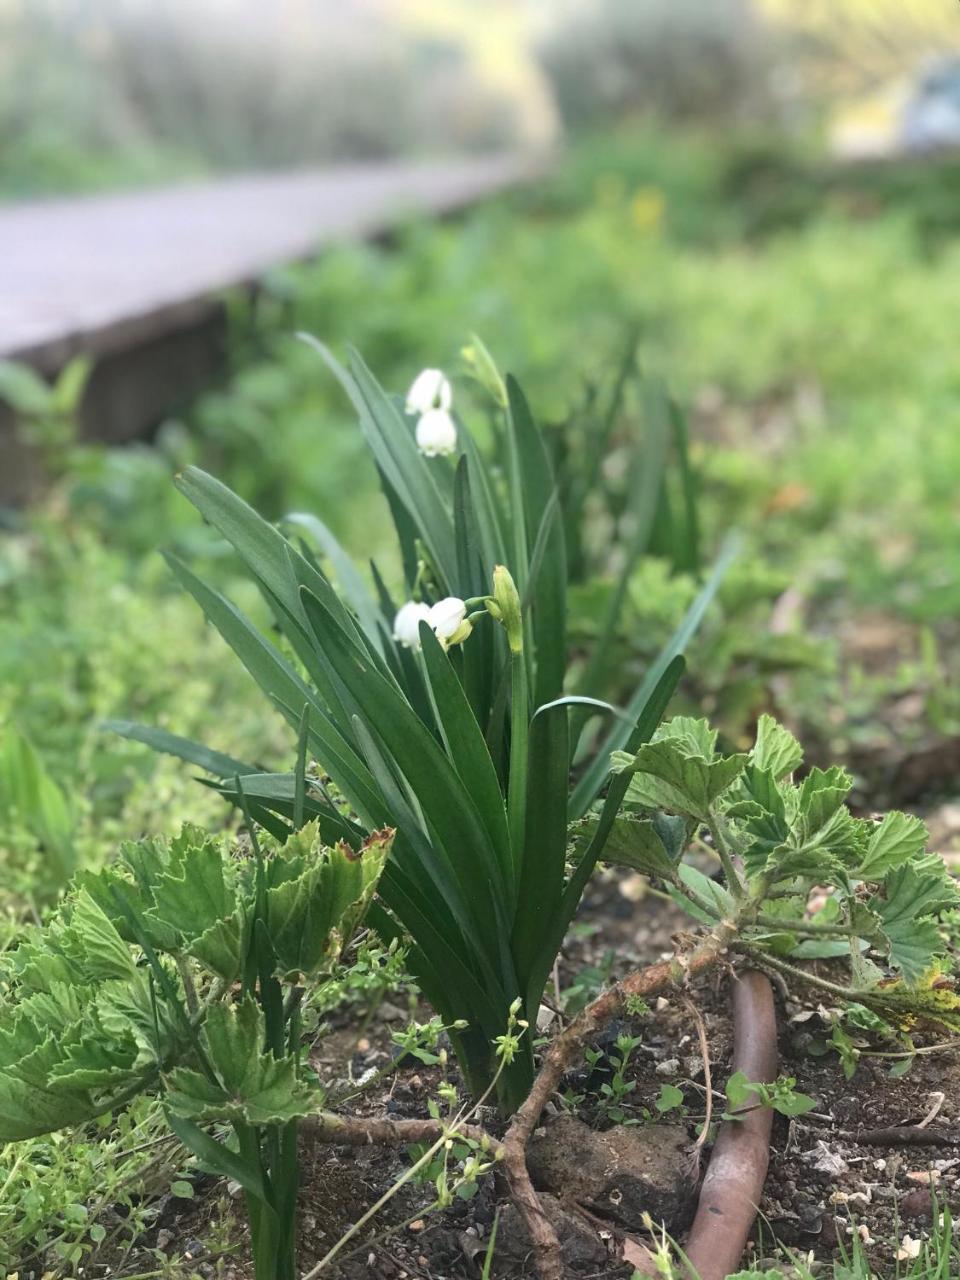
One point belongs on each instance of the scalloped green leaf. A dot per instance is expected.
(776, 749)
(667, 777)
(895, 840)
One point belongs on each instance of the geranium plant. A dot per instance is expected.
(182, 970)
(441, 713)
(802, 879)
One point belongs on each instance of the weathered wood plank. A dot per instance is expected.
(136, 279)
(101, 273)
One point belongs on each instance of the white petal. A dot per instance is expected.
(436, 433)
(429, 390)
(446, 616)
(406, 625)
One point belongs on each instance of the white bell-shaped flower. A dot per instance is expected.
(406, 625)
(436, 433)
(448, 618)
(430, 390)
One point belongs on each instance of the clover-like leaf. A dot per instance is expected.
(195, 893)
(822, 792)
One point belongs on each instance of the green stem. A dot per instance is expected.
(806, 926)
(519, 743)
(802, 975)
(734, 883)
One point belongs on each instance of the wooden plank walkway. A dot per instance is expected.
(103, 273)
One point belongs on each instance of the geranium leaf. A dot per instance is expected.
(894, 841)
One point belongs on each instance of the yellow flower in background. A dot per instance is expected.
(647, 208)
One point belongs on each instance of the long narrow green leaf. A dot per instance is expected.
(545, 843)
(445, 801)
(277, 678)
(396, 453)
(489, 515)
(643, 509)
(536, 485)
(351, 584)
(344, 765)
(218, 1159)
(688, 482)
(272, 672)
(551, 515)
(467, 749)
(432, 870)
(300, 776)
(588, 788)
(171, 744)
(277, 792)
(647, 721)
(264, 550)
(473, 580)
(447, 961)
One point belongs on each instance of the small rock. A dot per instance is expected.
(916, 1204)
(545, 1017)
(582, 1248)
(824, 1160)
(668, 1067)
(390, 1013)
(620, 1174)
(909, 1249)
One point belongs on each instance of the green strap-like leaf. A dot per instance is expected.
(215, 762)
(548, 596)
(545, 840)
(350, 582)
(588, 788)
(446, 802)
(646, 725)
(466, 747)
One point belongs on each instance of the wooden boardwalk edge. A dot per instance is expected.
(136, 279)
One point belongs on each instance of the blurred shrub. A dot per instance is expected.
(680, 59)
(96, 93)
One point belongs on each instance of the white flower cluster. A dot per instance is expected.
(431, 396)
(447, 619)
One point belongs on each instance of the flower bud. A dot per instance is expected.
(480, 363)
(429, 390)
(506, 598)
(436, 433)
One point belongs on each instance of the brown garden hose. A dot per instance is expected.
(733, 1183)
